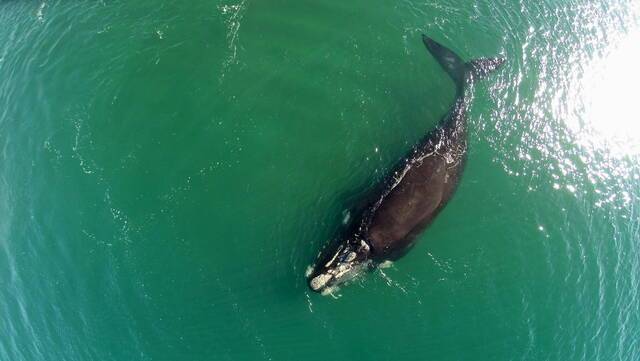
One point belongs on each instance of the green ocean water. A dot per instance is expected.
(169, 170)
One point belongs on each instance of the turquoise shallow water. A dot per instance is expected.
(169, 169)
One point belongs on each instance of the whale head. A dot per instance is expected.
(342, 264)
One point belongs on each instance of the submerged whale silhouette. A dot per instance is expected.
(415, 191)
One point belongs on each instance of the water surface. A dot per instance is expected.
(169, 169)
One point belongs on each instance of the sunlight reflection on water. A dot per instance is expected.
(609, 93)
(579, 131)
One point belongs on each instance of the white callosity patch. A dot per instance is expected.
(308, 271)
(343, 273)
(328, 264)
(343, 266)
(320, 281)
(351, 256)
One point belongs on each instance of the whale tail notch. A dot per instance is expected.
(461, 72)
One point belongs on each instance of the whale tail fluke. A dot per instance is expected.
(461, 72)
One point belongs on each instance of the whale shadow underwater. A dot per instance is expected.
(414, 192)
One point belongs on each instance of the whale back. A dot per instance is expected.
(416, 190)
(425, 180)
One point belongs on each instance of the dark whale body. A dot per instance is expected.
(416, 190)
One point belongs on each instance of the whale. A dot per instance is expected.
(416, 189)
